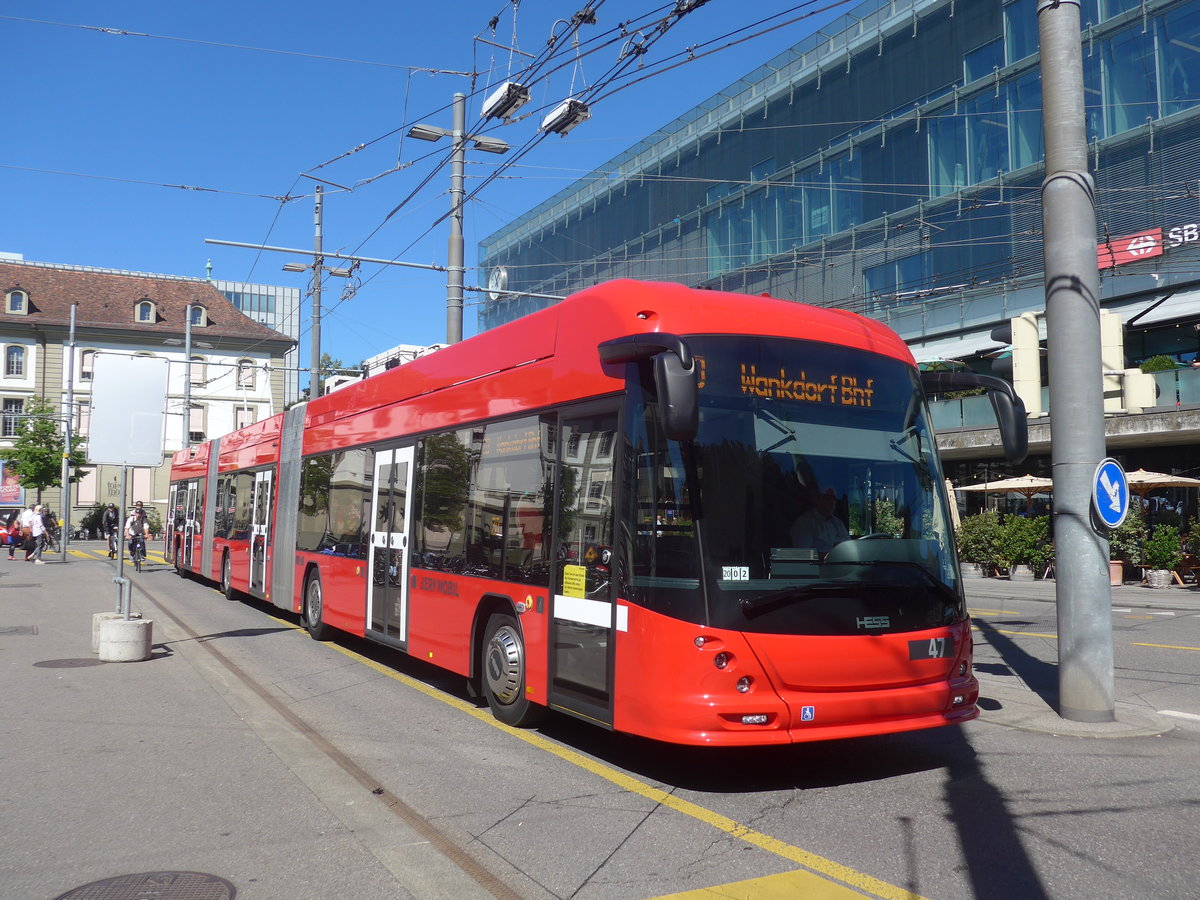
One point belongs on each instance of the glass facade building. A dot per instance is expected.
(276, 307)
(887, 163)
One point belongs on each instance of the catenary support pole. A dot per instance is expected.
(1085, 648)
(314, 378)
(455, 251)
(64, 535)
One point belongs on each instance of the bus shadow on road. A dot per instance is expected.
(1038, 675)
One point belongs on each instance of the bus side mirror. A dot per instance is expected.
(674, 376)
(1008, 407)
(676, 384)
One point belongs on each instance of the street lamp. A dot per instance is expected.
(454, 254)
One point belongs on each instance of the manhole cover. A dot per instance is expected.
(68, 663)
(18, 629)
(155, 886)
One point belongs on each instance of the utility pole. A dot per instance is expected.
(187, 378)
(68, 417)
(454, 251)
(314, 377)
(1085, 647)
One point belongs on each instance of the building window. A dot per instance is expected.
(199, 317)
(1180, 60)
(14, 361)
(245, 416)
(245, 374)
(17, 303)
(10, 416)
(198, 371)
(87, 365)
(143, 312)
(83, 419)
(197, 424)
(1020, 29)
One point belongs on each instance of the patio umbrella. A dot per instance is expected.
(1026, 485)
(1142, 482)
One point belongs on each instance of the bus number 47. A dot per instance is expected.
(931, 648)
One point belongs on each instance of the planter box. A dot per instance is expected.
(1158, 578)
(1020, 573)
(1116, 572)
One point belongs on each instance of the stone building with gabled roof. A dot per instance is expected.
(235, 374)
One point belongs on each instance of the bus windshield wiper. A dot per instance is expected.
(940, 586)
(755, 606)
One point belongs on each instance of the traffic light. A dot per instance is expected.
(1022, 363)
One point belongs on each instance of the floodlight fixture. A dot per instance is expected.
(427, 132)
(295, 267)
(566, 116)
(490, 145)
(505, 101)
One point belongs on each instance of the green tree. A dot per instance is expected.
(37, 452)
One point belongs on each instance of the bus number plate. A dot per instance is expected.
(931, 648)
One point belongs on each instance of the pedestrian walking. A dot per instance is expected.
(37, 529)
(12, 533)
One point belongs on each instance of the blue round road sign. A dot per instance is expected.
(1110, 493)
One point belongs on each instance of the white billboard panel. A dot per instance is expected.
(129, 410)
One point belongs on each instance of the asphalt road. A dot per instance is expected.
(299, 769)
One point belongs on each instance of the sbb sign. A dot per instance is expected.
(1131, 248)
(1183, 234)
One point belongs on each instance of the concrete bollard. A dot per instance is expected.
(97, 618)
(125, 640)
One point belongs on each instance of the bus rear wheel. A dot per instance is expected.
(502, 667)
(314, 609)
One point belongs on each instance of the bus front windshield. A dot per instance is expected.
(810, 502)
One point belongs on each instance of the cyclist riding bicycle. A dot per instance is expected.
(108, 525)
(135, 531)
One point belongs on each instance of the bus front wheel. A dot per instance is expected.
(314, 608)
(503, 672)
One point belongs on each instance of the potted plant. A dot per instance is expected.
(1125, 543)
(976, 539)
(1162, 554)
(1023, 543)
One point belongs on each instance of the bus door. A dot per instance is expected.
(260, 531)
(585, 613)
(387, 590)
(189, 522)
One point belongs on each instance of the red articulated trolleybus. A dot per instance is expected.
(700, 517)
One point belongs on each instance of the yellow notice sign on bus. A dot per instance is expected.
(574, 581)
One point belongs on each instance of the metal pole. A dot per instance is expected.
(187, 378)
(1085, 647)
(65, 493)
(314, 379)
(454, 252)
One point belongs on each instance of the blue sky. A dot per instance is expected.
(103, 128)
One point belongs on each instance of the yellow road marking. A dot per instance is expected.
(1137, 617)
(1166, 647)
(784, 886)
(992, 612)
(1017, 633)
(818, 865)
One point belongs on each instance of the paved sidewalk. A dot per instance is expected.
(168, 766)
(1009, 700)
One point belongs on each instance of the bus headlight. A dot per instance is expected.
(721, 660)
(744, 684)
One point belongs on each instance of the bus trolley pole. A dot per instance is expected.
(1085, 646)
